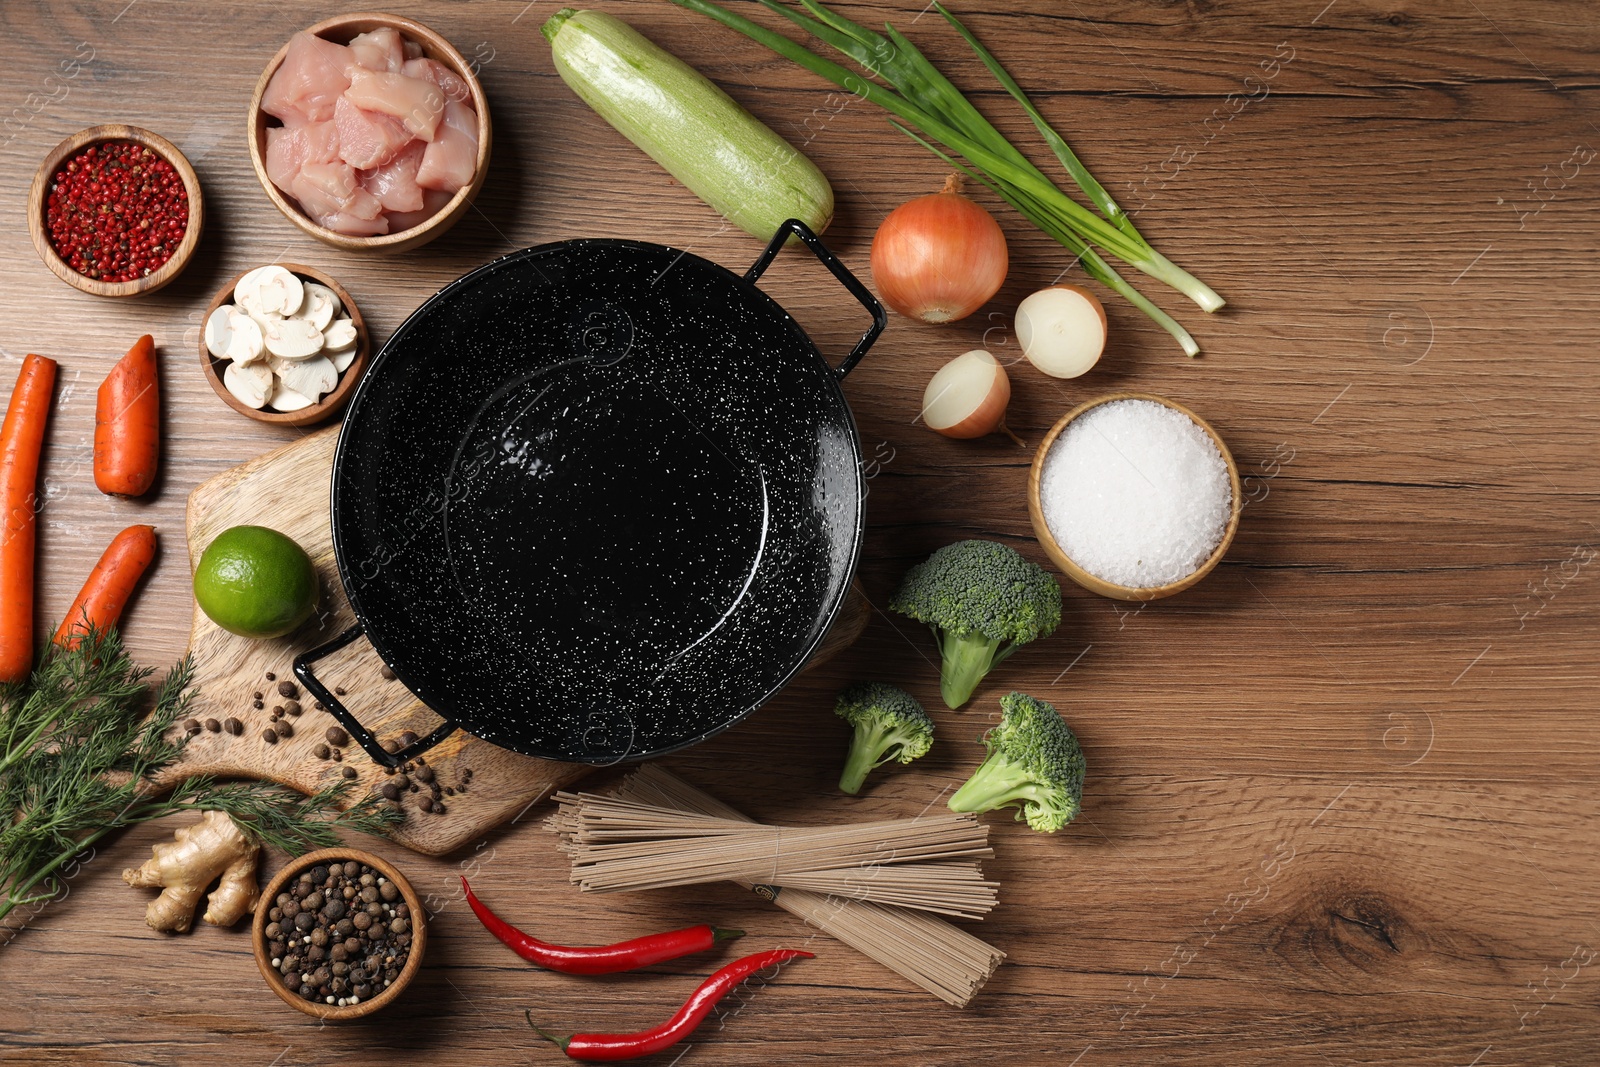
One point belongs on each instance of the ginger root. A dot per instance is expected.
(195, 857)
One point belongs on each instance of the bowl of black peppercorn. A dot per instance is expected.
(339, 933)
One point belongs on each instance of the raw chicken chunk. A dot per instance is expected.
(332, 189)
(395, 183)
(417, 103)
(352, 226)
(291, 147)
(442, 76)
(450, 160)
(367, 138)
(380, 49)
(308, 82)
(433, 202)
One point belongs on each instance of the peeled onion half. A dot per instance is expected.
(967, 397)
(1062, 330)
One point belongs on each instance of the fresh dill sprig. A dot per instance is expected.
(77, 756)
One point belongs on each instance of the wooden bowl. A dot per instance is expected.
(40, 191)
(340, 30)
(1089, 581)
(331, 403)
(321, 1009)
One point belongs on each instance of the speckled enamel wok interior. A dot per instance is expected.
(599, 500)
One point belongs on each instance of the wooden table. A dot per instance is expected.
(1340, 795)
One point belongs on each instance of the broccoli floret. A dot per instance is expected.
(889, 724)
(983, 601)
(1034, 764)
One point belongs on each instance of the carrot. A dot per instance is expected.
(105, 594)
(127, 423)
(21, 438)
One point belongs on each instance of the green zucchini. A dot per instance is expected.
(720, 151)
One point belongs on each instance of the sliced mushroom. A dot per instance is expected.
(292, 338)
(278, 292)
(319, 306)
(246, 344)
(285, 399)
(308, 377)
(217, 332)
(251, 384)
(341, 333)
(342, 358)
(248, 290)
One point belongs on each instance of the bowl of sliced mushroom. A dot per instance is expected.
(284, 344)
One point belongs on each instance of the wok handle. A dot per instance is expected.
(363, 736)
(880, 318)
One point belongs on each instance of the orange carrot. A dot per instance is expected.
(21, 438)
(127, 423)
(103, 596)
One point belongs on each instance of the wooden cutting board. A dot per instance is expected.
(287, 489)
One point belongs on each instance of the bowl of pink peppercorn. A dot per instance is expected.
(115, 210)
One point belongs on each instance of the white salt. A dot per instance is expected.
(1136, 493)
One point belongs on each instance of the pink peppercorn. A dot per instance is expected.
(116, 211)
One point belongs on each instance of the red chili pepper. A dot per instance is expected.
(681, 1025)
(601, 959)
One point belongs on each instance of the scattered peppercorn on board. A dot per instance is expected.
(251, 719)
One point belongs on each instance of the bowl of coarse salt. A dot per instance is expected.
(1133, 496)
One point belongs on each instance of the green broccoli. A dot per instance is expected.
(1034, 764)
(983, 601)
(889, 724)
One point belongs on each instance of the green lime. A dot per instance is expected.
(255, 582)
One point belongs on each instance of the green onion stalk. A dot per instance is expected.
(928, 101)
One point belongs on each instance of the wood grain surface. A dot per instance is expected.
(1342, 795)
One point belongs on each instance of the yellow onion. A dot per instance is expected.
(938, 258)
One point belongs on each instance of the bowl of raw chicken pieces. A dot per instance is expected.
(370, 132)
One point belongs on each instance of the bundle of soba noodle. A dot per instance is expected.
(872, 885)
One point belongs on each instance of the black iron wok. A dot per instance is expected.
(597, 500)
